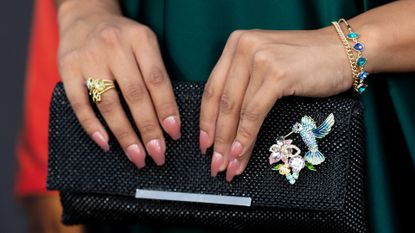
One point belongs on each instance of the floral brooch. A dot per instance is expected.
(286, 158)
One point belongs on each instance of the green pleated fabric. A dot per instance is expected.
(192, 34)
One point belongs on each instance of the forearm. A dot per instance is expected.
(388, 33)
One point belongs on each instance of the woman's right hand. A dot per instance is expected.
(97, 41)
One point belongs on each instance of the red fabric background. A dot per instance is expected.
(42, 75)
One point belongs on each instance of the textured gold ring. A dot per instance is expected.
(97, 87)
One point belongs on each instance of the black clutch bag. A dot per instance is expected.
(97, 187)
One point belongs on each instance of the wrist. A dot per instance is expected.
(69, 11)
(338, 61)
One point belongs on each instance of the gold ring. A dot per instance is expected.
(97, 87)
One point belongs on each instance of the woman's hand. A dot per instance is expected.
(96, 41)
(255, 70)
(44, 215)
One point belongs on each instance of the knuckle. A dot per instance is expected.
(134, 92)
(145, 33)
(235, 35)
(77, 105)
(227, 104)
(124, 136)
(247, 41)
(86, 121)
(209, 91)
(262, 58)
(250, 114)
(107, 106)
(149, 128)
(156, 77)
(80, 22)
(167, 108)
(110, 35)
(221, 140)
(68, 59)
(245, 133)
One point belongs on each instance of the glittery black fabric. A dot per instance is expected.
(99, 187)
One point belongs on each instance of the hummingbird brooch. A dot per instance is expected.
(289, 154)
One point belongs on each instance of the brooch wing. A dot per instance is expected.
(325, 127)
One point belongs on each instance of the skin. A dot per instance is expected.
(96, 40)
(256, 68)
(44, 215)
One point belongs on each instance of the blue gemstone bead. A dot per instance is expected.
(363, 75)
(361, 61)
(358, 47)
(353, 35)
(361, 88)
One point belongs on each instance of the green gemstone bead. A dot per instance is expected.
(361, 61)
(361, 88)
(353, 35)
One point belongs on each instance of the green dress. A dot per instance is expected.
(192, 34)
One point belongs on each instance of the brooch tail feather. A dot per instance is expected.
(314, 157)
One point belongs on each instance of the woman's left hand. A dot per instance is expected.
(256, 68)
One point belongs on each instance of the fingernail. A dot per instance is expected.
(217, 161)
(156, 150)
(136, 155)
(236, 150)
(203, 141)
(100, 141)
(232, 169)
(172, 126)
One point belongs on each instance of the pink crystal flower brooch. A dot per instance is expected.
(286, 157)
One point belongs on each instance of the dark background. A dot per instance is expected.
(15, 21)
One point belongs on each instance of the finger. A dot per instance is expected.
(259, 70)
(253, 115)
(113, 113)
(209, 108)
(237, 165)
(134, 90)
(156, 79)
(237, 148)
(77, 94)
(229, 109)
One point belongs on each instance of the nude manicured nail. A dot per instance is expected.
(203, 141)
(136, 155)
(172, 126)
(232, 170)
(217, 161)
(156, 150)
(100, 140)
(236, 150)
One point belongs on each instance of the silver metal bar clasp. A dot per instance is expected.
(192, 197)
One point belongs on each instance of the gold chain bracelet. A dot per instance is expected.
(357, 64)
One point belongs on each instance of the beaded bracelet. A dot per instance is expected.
(358, 72)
